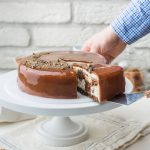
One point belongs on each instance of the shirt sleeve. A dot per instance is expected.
(134, 22)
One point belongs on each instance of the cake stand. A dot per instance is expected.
(60, 130)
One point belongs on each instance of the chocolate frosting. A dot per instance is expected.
(77, 56)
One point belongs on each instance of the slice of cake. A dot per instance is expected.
(61, 74)
(101, 83)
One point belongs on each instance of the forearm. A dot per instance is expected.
(134, 22)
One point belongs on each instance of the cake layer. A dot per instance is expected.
(88, 83)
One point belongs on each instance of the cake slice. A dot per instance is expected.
(100, 82)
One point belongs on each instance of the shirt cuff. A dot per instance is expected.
(133, 23)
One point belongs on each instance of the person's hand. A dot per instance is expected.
(106, 43)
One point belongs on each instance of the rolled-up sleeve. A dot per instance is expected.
(134, 22)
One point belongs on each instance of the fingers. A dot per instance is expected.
(94, 49)
(86, 47)
(89, 46)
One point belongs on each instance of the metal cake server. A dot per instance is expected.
(127, 99)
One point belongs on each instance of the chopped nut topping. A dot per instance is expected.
(35, 62)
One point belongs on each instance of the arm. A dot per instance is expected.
(132, 24)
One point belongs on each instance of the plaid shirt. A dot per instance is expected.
(134, 22)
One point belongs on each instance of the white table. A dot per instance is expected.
(137, 111)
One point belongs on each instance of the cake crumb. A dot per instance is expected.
(147, 93)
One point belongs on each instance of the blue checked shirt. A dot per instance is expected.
(134, 22)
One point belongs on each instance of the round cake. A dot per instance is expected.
(59, 74)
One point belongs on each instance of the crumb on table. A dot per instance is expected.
(147, 93)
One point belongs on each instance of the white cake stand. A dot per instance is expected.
(60, 130)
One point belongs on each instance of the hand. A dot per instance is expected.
(106, 43)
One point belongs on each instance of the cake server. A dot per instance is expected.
(127, 99)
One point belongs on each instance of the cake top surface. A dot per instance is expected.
(59, 59)
(62, 60)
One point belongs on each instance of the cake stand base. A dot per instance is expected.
(62, 131)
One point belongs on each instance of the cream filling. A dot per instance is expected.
(94, 90)
(72, 63)
(81, 84)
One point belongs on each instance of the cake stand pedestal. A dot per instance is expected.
(60, 130)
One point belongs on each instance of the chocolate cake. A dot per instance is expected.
(59, 74)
